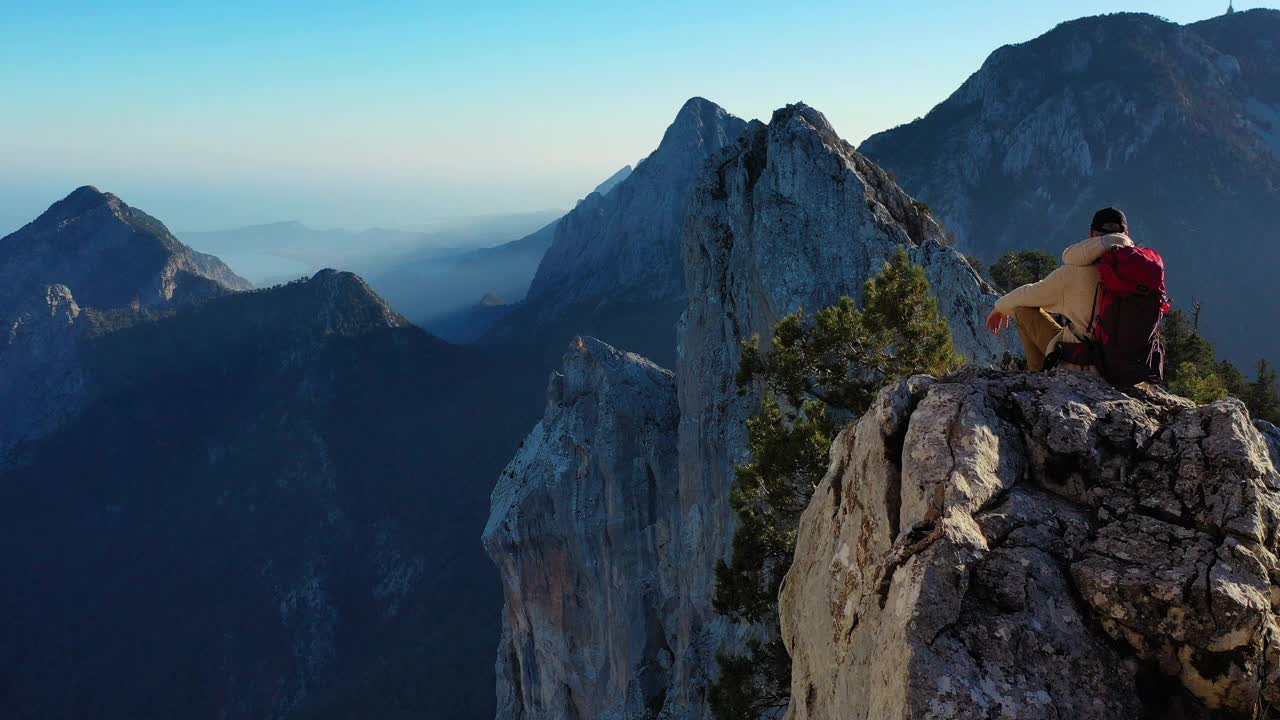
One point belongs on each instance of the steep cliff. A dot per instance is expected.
(1177, 124)
(580, 528)
(787, 216)
(1037, 545)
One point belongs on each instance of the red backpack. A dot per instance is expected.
(1132, 301)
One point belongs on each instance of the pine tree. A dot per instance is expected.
(1020, 268)
(1264, 395)
(1198, 383)
(817, 375)
(1182, 345)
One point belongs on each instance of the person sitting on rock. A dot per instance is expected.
(1070, 292)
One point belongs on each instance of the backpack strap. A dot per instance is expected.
(1093, 309)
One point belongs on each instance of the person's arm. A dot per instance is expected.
(1044, 294)
(1087, 252)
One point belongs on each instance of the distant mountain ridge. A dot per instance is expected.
(89, 252)
(613, 180)
(1178, 125)
(109, 254)
(282, 251)
(504, 271)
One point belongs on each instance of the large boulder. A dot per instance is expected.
(1037, 545)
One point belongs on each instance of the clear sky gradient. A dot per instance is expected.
(212, 115)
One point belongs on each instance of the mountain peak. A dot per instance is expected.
(86, 191)
(699, 106)
(109, 254)
(79, 201)
(801, 113)
(349, 304)
(698, 121)
(624, 246)
(342, 281)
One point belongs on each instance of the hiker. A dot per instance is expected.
(1110, 310)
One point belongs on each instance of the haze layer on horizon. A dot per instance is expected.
(343, 115)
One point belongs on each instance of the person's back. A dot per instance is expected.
(1070, 292)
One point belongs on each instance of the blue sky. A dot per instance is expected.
(213, 115)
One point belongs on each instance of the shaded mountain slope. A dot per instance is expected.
(265, 507)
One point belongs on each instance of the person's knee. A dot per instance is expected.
(1027, 314)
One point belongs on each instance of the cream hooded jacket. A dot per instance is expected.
(1070, 291)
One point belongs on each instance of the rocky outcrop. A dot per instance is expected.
(1186, 138)
(1037, 545)
(787, 216)
(109, 254)
(581, 528)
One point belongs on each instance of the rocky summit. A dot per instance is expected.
(614, 267)
(1038, 546)
(109, 255)
(1179, 125)
(580, 527)
(607, 525)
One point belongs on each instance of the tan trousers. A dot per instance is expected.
(1036, 329)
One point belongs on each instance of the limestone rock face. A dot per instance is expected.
(581, 529)
(1037, 545)
(790, 216)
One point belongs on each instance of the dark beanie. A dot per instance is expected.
(1110, 220)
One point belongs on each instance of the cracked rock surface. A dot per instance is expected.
(1037, 546)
